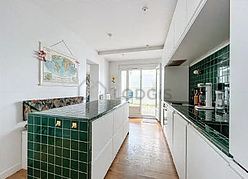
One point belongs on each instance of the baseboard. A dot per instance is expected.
(11, 171)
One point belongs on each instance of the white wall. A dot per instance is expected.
(176, 83)
(23, 25)
(115, 66)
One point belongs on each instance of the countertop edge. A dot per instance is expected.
(202, 132)
(86, 119)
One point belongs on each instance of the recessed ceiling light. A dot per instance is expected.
(110, 35)
(145, 9)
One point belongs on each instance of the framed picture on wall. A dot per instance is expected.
(57, 68)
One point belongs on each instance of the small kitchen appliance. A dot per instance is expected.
(208, 96)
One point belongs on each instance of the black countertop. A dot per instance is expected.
(84, 111)
(212, 124)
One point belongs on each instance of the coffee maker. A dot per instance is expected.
(208, 96)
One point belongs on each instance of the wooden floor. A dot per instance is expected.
(143, 155)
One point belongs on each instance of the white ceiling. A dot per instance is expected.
(130, 26)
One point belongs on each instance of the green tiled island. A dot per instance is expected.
(78, 141)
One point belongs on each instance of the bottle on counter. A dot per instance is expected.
(196, 97)
(201, 99)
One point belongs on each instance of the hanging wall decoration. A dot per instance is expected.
(57, 68)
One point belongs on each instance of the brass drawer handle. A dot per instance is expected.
(58, 124)
(74, 125)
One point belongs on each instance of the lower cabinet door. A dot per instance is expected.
(169, 127)
(203, 161)
(101, 165)
(179, 145)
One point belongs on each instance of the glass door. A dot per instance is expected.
(134, 89)
(148, 100)
(139, 87)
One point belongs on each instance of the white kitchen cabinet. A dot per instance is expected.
(169, 42)
(100, 142)
(192, 6)
(238, 81)
(168, 128)
(108, 134)
(179, 145)
(180, 19)
(204, 160)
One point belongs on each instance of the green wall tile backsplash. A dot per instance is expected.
(213, 69)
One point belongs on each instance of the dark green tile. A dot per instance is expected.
(43, 166)
(30, 119)
(74, 135)
(37, 120)
(30, 171)
(30, 137)
(66, 133)
(51, 150)
(66, 163)
(44, 139)
(82, 167)
(44, 148)
(66, 172)
(37, 138)
(44, 121)
(74, 155)
(30, 154)
(51, 176)
(50, 168)
(74, 145)
(51, 140)
(58, 151)
(58, 142)
(36, 164)
(30, 145)
(66, 124)
(44, 157)
(51, 131)
(74, 174)
(58, 132)
(51, 159)
(82, 176)
(37, 173)
(66, 153)
(58, 170)
(83, 146)
(82, 157)
(74, 165)
(66, 143)
(44, 175)
(83, 126)
(58, 161)
(30, 128)
(52, 122)
(83, 136)
(30, 163)
(37, 155)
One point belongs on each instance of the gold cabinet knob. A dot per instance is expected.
(58, 124)
(74, 125)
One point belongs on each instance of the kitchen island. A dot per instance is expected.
(77, 141)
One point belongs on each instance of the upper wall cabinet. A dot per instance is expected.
(170, 42)
(192, 6)
(180, 19)
(185, 14)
